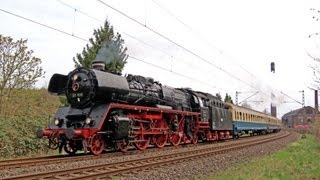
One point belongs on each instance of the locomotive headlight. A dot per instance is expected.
(88, 121)
(58, 122)
(75, 77)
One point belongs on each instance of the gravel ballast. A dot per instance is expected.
(205, 167)
(187, 170)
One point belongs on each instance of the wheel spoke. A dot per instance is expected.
(123, 145)
(160, 140)
(175, 139)
(97, 144)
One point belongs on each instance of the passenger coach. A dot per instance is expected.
(248, 121)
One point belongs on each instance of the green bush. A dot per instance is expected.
(23, 113)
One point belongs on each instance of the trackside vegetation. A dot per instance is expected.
(27, 110)
(298, 161)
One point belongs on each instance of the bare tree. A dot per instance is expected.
(18, 67)
(316, 72)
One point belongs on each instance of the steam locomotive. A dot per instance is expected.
(109, 111)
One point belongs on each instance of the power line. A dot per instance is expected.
(188, 27)
(63, 32)
(141, 41)
(182, 47)
(66, 33)
(199, 35)
(133, 37)
(78, 10)
(44, 25)
(291, 98)
(182, 75)
(202, 38)
(69, 34)
(122, 32)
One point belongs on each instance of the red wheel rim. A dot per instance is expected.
(175, 139)
(195, 139)
(123, 146)
(143, 142)
(97, 144)
(160, 140)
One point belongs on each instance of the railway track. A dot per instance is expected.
(107, 169)
(26, 162)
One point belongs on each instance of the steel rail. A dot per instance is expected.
(25, 162)
(112, 169)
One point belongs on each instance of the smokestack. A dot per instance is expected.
(98, 65)
(316, 105)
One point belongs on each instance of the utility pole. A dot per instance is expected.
(303, 104)
(237, 93)
(304, 109)
(245, 100)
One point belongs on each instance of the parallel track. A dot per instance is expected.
(107, 170)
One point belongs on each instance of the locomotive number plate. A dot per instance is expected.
(77, 95)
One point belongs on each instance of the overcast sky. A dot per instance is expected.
(232, 43)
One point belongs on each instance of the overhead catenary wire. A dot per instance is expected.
(199, 35)
(47, 26)
(72, 35)
(144, 25)
(43, 25)
(147, 44)
(291, 98)
(169, 70)
(78, 10)
(125, 33)
(204, 39)
(135, 58)
(178, 45)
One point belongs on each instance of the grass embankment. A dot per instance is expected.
(301, 160)
(20, 116)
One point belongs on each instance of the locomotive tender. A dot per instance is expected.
(112, 111)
